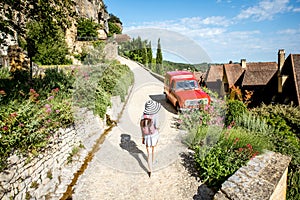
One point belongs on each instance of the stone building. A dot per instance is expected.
(270, 82)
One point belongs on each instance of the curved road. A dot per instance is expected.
(119, 169)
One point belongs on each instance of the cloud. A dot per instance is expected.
(296, 9)
(289, 31)
(265, 10)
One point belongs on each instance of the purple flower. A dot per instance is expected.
(47, 106)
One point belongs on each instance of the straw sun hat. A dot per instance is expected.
(151, 107)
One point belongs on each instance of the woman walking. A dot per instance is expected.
(149, 126)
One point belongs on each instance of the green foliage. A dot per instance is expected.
(113, 28)
(285, 121)
(220, 152)
(48, 45)
(4, 73)
(114, 19)
(159, 58)
(235, 109)
(138, 50)
(51, 12)
(96, 84)
(117, 80)
(252, 123)
(29, 117)
(93, 55)
(87, 29)
(233, 150)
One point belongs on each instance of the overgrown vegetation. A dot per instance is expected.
(284, 119)
(138, 50)
(87, 29)
(114, 25)
(32, 111)
(221, 150)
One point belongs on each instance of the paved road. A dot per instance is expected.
(119, 168)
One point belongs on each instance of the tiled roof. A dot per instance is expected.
(233, 73)
(296, 70)
(259, 73)
(215, 72)
(119, 38)
(198, 75)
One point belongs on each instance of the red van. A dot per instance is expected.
(183, 91)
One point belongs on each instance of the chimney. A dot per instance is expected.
(243, 63)
(281, 59)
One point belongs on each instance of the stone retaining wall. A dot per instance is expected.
(48, 174)
(264, 178)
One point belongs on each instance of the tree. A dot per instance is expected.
(87, 29)
(144, 54)
(49, 46)
(159, 58)
(15, 15)
(149, 55)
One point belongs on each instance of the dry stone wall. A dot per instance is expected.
(48, 174)
(264, 177)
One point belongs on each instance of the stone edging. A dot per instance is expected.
(264, 177)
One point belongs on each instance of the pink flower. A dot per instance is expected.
(47, 106)
(51, 97)
(21, 125)
(49, 120)
(48, 110)
(5, 128)
(14, 114)
(32, 91)
(57, 111)
(2, 92)
(249, 146)
(236, 140)
(55, 90)
(241, 149)
(254, 155)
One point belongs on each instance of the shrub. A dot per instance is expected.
(29, 118)
(235, 108)
(4, 73)
(87, 29)
(285, 138)
(234, 149)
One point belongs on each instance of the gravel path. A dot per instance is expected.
(119, 169)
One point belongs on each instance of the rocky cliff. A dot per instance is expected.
(92, 9)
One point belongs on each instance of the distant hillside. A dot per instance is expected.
(169, 66)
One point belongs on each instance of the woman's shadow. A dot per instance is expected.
(130, 146)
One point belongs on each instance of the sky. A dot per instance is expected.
(215, 31)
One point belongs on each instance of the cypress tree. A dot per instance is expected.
(144, 54)
(149, 55)
(159, 58)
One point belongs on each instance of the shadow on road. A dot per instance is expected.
(130, 146)
(203, 192)
(161, 98)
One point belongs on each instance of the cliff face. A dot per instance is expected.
(92, 9)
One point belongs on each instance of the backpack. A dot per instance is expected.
(147, 125)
